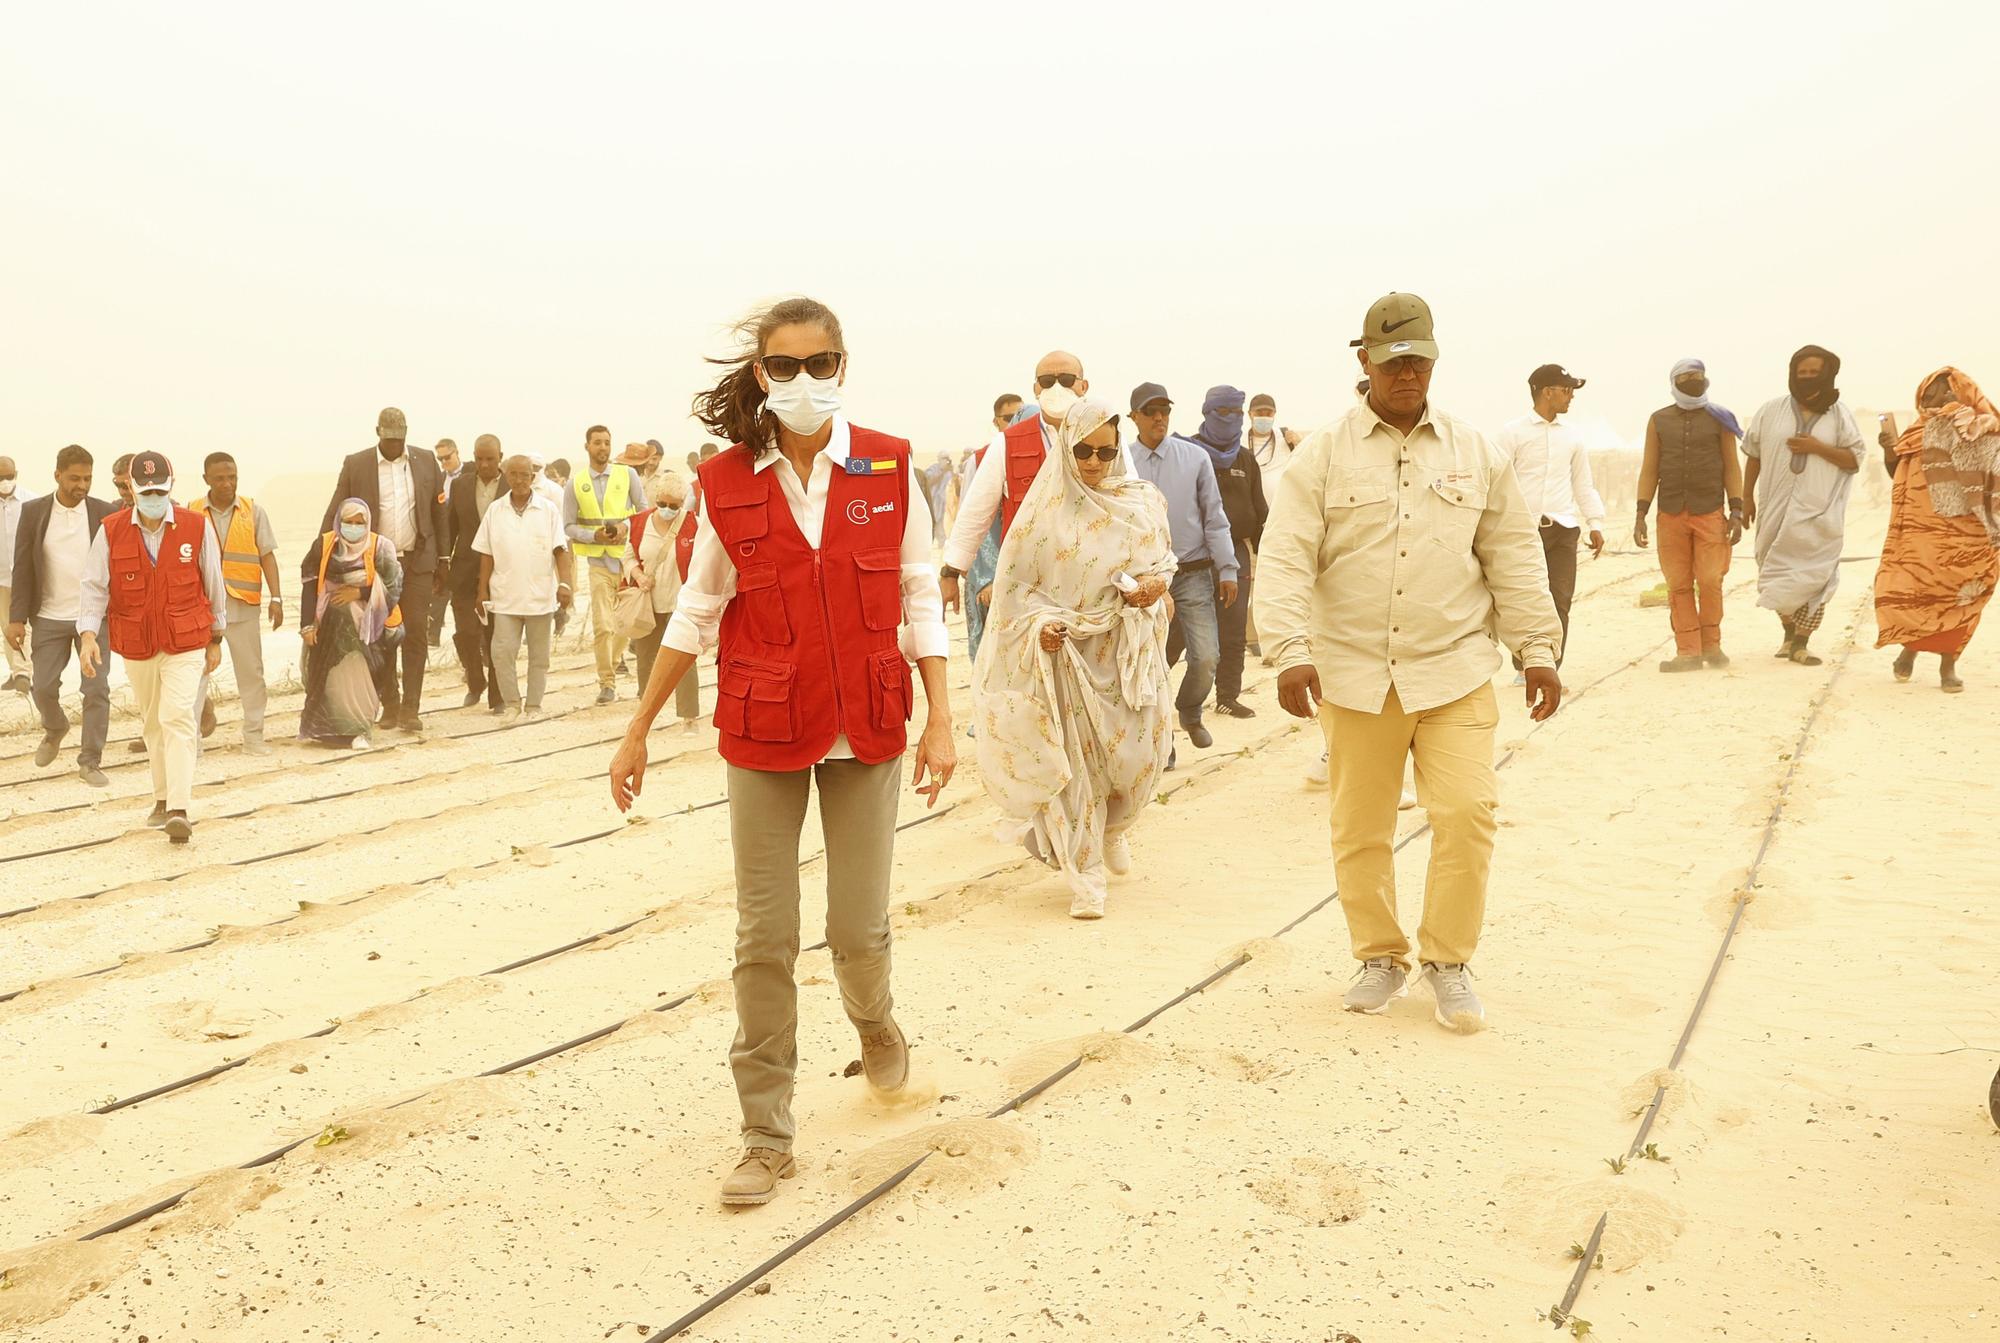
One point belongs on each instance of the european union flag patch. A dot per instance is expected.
(870, 466)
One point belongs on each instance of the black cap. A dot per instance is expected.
(1553, 375)
(152, 471)
(1147, 392)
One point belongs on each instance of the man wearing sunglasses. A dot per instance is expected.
(1007, 466)
(1182, 472)
(1397, 538)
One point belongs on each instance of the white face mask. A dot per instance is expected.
(6, 489)
(805, 403)
(1262, 424)
(1055, 401)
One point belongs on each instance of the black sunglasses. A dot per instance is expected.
(785, 367)
(1044, 381)
(1084, 452)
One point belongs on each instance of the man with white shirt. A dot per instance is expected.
(10, 526)
(51, 547)
(404, 490)
(1553, 467)
(154, 580)
(1008, 465)
(525, 576)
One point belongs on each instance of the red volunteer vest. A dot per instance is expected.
(157, 606)
(1024, 458)
(808, 643)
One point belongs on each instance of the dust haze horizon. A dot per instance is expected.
(243, 228)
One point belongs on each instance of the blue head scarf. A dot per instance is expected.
(1722, 414)
(1222, 435)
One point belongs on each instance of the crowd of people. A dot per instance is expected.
(1380, 564)
(408, 536)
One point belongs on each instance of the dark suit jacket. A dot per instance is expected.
(28, 537)
(359, 479)
(461, 525)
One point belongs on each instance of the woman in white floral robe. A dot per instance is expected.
(1070, 686)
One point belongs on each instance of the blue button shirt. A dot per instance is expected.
(1183, 472)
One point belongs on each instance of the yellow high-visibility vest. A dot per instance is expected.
(616, 506)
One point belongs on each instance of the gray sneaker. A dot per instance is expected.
(1457, 1005)
(1380, 983)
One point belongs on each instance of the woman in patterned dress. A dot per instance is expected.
(1071, 678)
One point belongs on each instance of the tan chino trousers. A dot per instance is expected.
(767, 810)
(164, 687)
(607, 643)
(1452, 746)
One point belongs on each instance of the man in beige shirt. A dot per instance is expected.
(1398, 538)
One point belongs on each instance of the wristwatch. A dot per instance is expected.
(946, 571)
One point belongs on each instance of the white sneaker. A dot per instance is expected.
(1117, 854)
(1083, 906)
(1316, 772)
(1458, 1007)
(255, 746)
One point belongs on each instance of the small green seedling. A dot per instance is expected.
(1578, 1327)
(1617, 1164)
(330, 1135)
(1653, 1153)
(1575, 1250)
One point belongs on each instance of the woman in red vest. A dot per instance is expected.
(814, 549)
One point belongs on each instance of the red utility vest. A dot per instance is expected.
(808, 643)
(1024, 458)
(157, 606)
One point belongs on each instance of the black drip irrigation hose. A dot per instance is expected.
(155, 1209)
(1559, 1314)
(230, 747)
(525, 961)
(366, 895)
(257, 858)
(799, 1245)
(432, 777)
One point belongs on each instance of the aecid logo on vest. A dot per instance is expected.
(858, 510)
(187, 551)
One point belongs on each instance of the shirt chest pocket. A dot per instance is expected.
(1454, 510)
(1356, 505)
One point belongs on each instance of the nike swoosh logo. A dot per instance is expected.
(1389, 328)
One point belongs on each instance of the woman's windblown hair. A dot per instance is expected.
(733, 409)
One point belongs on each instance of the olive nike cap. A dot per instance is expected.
(1398, 325)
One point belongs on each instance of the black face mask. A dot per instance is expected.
(1694, 386)
(1815, 394)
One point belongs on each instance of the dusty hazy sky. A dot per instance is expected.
(237, 226)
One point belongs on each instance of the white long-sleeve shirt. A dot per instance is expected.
(711, 580)
(1553, 466)
(94, 591)
(982, 501)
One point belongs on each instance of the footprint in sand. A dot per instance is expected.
(1108, 1057)
(1318, 1193)
(962, 1157)
(1237, 1066)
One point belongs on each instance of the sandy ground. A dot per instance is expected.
(1254, 1164)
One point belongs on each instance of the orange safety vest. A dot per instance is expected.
(242, 565)
(327, 541)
